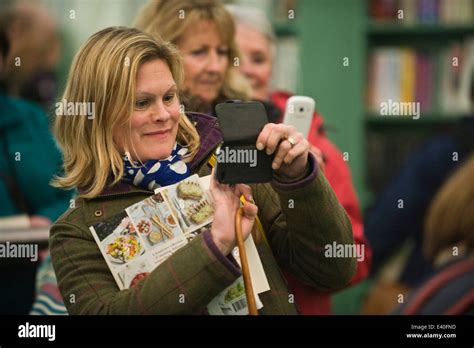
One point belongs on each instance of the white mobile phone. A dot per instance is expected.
(299, 113)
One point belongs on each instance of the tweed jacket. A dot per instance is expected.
(298, 218)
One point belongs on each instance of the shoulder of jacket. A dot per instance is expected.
(74, 215)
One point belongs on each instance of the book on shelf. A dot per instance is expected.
(409, 12)
(457, 86)
(440, 80)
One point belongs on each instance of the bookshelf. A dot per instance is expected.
(428, 119)
(329, 30)
(285, 29)
(438, 40)
(384, 29)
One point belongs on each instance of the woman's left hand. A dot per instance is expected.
(290, 148)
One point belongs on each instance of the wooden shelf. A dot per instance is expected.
(388, 29)
(426, 119)
(285, 28)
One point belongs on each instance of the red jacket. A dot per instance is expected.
(337, 172)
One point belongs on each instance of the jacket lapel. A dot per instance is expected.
(210, 134)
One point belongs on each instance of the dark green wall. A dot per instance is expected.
(330, 30)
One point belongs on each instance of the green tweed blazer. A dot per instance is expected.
(299, 219)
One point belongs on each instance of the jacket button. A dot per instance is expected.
(98, 213)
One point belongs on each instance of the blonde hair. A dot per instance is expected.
(104, 72)
(450, 218)
(170, 20)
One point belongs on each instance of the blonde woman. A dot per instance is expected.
(203, 31)
(134, 81)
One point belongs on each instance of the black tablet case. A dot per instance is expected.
(241, 123)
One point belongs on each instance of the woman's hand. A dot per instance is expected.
(290, 148)
(226, 202)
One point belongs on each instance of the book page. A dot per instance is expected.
(137, 240)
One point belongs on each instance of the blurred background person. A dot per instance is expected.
(204, 34)
(35, 50)
(448, 245)
(393, 229)
(29, 159)
(256, 42)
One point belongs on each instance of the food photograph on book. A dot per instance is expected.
(119, 241)
(190, 203)
(120, 245)
(154, 220)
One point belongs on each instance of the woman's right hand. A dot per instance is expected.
(226, 202)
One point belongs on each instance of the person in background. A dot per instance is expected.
(204, 34)
(34, 52)
(257, 44)
(448, 245)
(388, 227)
(29, 159)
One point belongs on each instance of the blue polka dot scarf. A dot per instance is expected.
(153, 174)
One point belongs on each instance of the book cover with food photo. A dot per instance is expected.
(122, 248)
(137, 240)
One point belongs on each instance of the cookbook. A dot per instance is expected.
(140, 238)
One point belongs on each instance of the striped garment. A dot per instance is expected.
(48, 300)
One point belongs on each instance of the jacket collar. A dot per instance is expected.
(210, 136)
